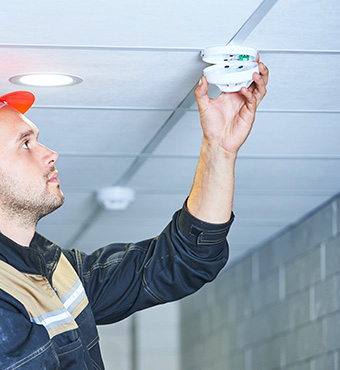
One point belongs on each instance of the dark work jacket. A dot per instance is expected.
(51, 299)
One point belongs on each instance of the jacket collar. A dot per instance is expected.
(39, 258)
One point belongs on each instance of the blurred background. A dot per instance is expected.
(133, 122)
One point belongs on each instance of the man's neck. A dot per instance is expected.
(18, 232)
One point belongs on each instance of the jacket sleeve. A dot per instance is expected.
(121, 279)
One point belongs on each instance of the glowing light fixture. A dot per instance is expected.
(45, 79)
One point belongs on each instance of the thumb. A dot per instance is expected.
(201, 94)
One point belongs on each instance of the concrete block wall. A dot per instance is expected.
(276, 308)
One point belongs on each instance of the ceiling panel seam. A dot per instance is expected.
(82, 107)
(239, 192)
(298, 51)
(154, 109)
(250, 192)
(158, 49)
(193, 156)
(98, 47)
(247, 28)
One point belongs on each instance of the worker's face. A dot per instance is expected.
(28, 178)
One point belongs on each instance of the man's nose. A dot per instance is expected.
(50, 156)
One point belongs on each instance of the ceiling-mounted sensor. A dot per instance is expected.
(115, 198)
(233, 66)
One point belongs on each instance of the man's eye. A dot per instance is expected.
(25, 145)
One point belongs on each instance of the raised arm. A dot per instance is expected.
(226, 122)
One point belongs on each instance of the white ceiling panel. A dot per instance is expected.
(277, 134)
(75, 207)
(185, 138)
(250, 235)
(177, 174)
(112, 78)
(296, 24)
(99, 235)
(191, 23)
(295, 174)
(141, 220)
(90, 173)
(53, 233)
(302, 81)
(144, 207)
(160, 174)
(294, 134)
(96, 131)
(273, 209)
(68, 217)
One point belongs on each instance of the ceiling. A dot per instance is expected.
(133, 121)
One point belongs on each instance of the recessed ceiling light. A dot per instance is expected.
(45, 79)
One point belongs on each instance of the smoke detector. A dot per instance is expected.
(233, 66)
(115, 198)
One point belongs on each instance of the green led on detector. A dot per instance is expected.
(244, 57)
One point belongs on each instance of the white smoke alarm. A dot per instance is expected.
(115, 198)
(233, 66)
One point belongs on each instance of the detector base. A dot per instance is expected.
(233, 66)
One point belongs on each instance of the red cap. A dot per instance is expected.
(19, 100)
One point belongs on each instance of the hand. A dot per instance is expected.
(227, 120)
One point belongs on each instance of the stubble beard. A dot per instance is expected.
(25, 205)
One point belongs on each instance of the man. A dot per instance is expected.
(52, 299)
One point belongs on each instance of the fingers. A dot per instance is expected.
(201, 94)
(264, 72)
(251, 101)
(260, 88)
(260, 81)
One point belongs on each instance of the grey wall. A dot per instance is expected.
(276, 308)
(156, 340)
